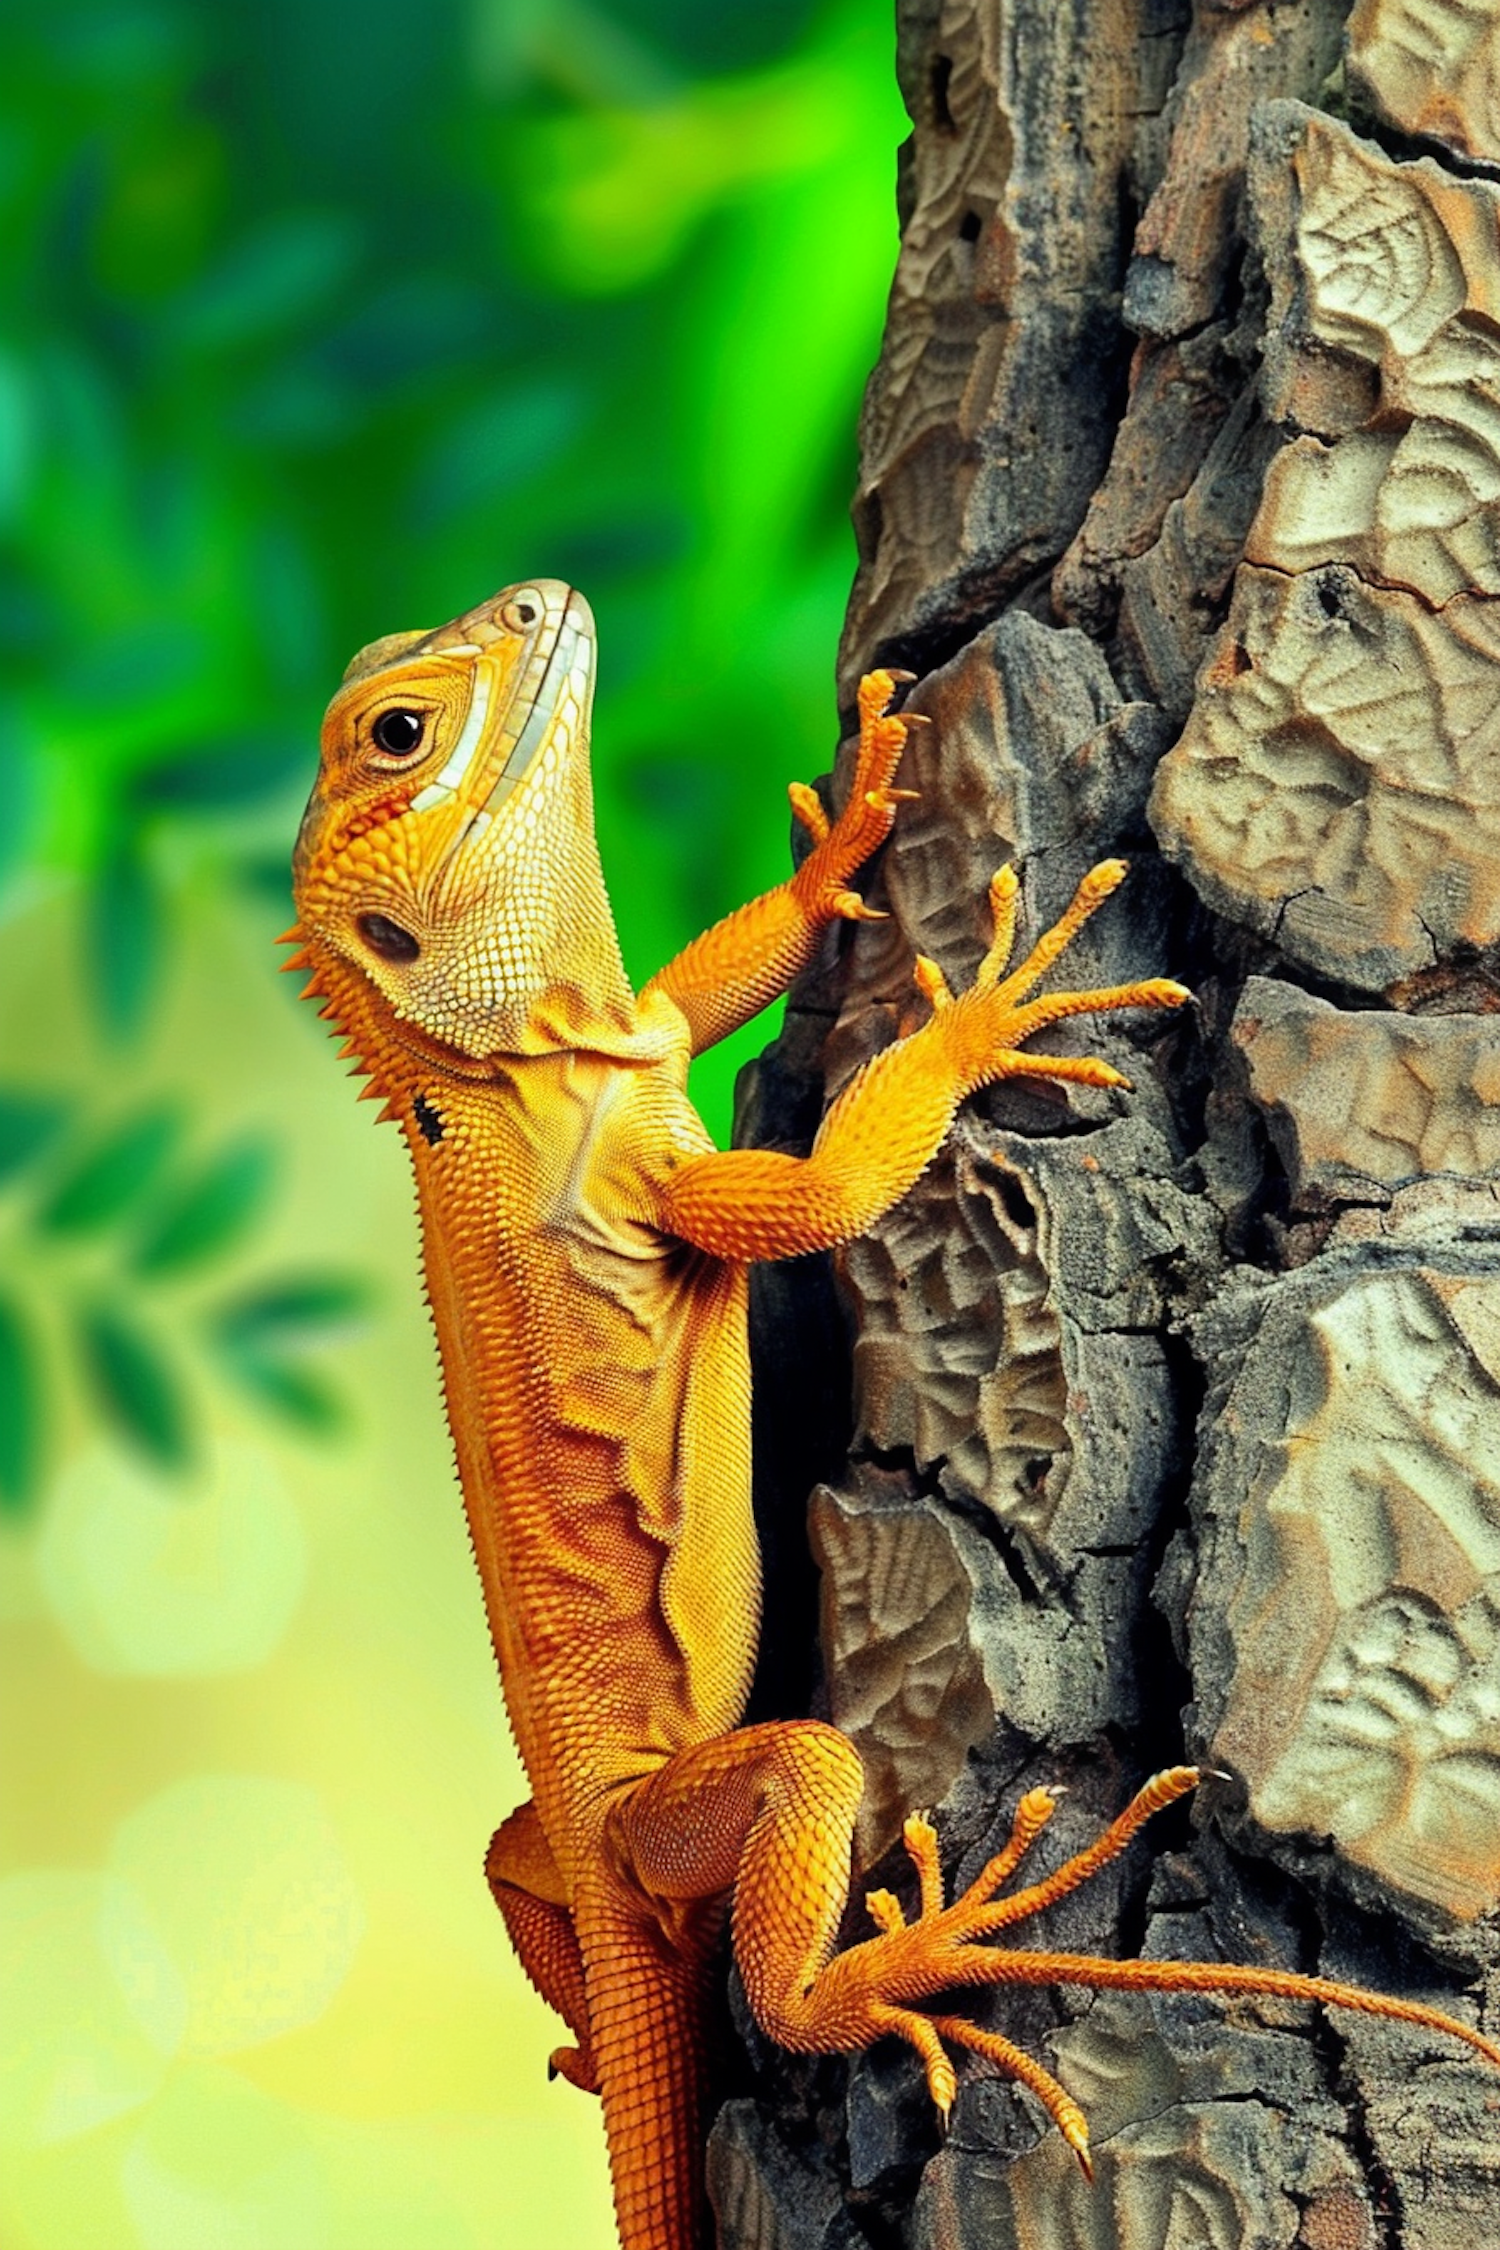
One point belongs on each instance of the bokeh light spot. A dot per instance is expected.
(243, 1882)
(219, 2163)
(148, 1580)
(72, 2050)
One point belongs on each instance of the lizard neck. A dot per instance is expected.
(492, 1001)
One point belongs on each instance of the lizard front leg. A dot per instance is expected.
(889, 1122)
(738, 967)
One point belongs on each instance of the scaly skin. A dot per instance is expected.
(585, 1250)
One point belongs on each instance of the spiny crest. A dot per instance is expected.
(296, 963)
(351, 1049)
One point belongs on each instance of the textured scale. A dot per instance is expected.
(585, 1250)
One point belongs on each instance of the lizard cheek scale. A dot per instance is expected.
(586, 1251)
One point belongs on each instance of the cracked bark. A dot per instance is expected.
(1175, 1417)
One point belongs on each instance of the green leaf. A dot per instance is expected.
(272, 279)
(113, 1174)
(267, 877)
(210, 1214)
(29, 1123)
(124, 938)
(21, 1409)
(20, 421)
(24, 628)
(302, 1310)
(135, 1386)
(263, 1336)
(298, 1394)
(498, 444)
(239, 770)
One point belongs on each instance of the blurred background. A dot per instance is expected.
(325, 320)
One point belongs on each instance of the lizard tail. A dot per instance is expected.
(648, 2020)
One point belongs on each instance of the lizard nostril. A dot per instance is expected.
(387, 938)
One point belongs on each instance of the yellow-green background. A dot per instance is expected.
(325, 318)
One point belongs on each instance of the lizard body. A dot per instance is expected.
(586, 1250)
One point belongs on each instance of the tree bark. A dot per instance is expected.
(1176, 1415)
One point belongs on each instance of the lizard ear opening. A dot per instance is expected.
(387, 938)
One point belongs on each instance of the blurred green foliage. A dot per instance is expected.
(115, 1238)
(326, 319)
(330, 318)
(321, 320)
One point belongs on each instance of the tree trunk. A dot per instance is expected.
(1176, 1415)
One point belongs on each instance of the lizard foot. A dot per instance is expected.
(866, 820)
(911, 1961)
(993, 1017)
(978, 1914)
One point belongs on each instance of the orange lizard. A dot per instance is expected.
(586, 1250)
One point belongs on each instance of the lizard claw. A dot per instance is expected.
(884, 1910)
(577, 2068)
(1003, 994)
(843, 845)
(931, 982)
(807, 805)
(850, 907)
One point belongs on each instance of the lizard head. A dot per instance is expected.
(446, 874)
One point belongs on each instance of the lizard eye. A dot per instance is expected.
(399, 733)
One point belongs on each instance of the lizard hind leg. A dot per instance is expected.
(869, 1991)
(528, 1890)
(942, 1952)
